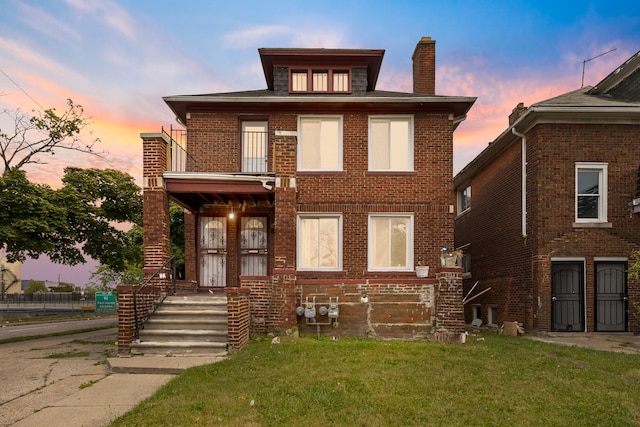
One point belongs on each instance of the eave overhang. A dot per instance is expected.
(536, 115)
(458, 106)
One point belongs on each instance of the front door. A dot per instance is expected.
(567, 296)
(253, 246)
(213, 252)
(611, 297)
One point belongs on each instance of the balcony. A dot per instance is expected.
(253, 158)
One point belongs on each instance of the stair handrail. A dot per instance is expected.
(157, 295)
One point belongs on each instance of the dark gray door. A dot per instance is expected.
(567, 296)
(611, 297)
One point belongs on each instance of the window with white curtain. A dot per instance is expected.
(320, 143)
(591, 192)
(390, 242)
(319, 245)
(391, 143)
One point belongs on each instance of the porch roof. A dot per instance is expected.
(193, 189)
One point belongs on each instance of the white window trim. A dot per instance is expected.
(340, 142)
(410, 261)
(603, 191)
(410, 163)
(299, 218)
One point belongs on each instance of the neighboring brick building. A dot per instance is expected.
(318, 187)
(544, 214)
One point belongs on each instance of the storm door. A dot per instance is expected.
(611, 297)
(213, 251)
(567, 296)
(253, 246)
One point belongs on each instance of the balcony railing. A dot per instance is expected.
(253, 157)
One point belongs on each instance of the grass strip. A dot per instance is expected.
(56, 334)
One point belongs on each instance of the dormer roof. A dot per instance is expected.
(313, 57)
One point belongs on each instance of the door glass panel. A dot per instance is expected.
(213, 251)
(253, 246)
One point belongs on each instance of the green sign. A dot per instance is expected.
(106, 302)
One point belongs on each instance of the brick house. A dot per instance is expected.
(544, 213)
(311, 202)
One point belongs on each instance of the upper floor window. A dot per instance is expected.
(320, 143)
(464, 199)
(591, 192)
(319, 81)
(391, 143)
(254, 147)
(390, 242)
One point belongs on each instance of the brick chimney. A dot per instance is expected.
(516, 113)
(424, 67)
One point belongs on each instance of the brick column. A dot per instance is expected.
(238, 320)
(126, 324)
(283, 304)
(157, 247)
(449, 319)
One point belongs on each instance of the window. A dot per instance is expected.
(390, 143)
(254, 147)
(319, 245)
(464, 199)
(299, 82)
(391, 242)
(320, 143)
(591, 192)
(320, 81)
(466, 261)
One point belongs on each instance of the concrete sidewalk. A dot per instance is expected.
(132, 380)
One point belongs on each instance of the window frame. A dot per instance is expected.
(410, 242)
(246, 161)
(461, 197)
(310, 72)
(312, 215)
(602, 169)
(410, 142)
(340, 147)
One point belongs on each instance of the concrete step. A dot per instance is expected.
(183, 335)
(171, 323)
(179, 348)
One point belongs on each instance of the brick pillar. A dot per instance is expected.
(126, 324)
(449, 319)
(157, 247)
(283, 303)
(424, 67)
(238, 320)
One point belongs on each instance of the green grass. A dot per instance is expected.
(501, 381)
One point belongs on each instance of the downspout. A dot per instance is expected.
(524, 179)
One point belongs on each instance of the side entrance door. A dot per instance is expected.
(611, 296)
(253, 246)
(567, 296)
(213, 252)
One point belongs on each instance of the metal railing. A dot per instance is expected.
(148, 297)
(253, 146)
(178, 157)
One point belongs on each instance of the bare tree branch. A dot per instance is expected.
(44, 133)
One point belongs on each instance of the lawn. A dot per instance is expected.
(491, 380)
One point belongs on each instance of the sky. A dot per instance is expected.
(119, 58)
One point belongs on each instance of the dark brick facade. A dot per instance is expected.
(517, 267)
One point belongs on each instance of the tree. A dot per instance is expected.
(43, 134)
(634, 273)
(81, 217)
(36, 286)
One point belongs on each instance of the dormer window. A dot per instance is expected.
(320, 81)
